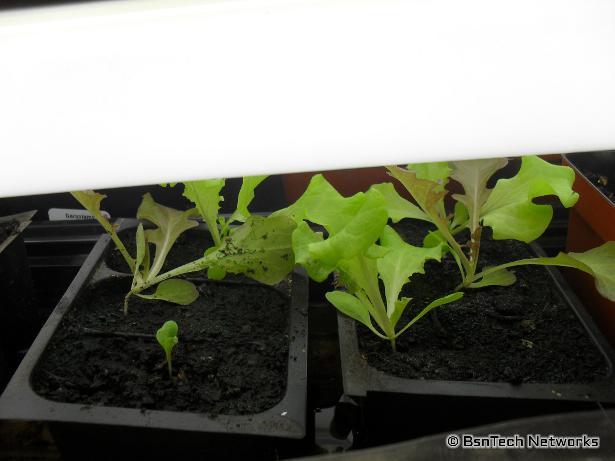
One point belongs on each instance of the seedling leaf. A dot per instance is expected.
(598, 262)
(91, 200)
(400, 307)
(167, 338)
(428, 194)
(352, 307)
(501, 278)
(260, 248)
(319, 195)
(400, 263)
(460, 216)
(141, 248)
(510, 210)
(473, 176)
(216, 273)
(205, 195)
(303, 236)
(432, 305)
(245, 197)
(398, 207)
(176, 291)
(601, 263)
(171, 224)
(352, 228)
(437, 172)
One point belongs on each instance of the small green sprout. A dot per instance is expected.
(167, 337)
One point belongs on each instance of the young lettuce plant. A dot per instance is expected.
(508, 209)
(353, 226)
(167, 338)
(205, 195)
(170, 224)
(259, 248)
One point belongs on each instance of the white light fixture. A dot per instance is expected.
(137, 92)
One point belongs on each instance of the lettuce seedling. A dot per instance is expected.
(205, 195)
(243, 249)
(508, 209)
(167, 338)
(260, 247)
(170, 224)
(354, 225)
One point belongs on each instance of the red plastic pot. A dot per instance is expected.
(591, 223)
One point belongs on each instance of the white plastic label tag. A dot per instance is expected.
(67, 214)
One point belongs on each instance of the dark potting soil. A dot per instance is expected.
(7, 229)
(231, 357)
(602, 183)
(189, 246)
(522, 333)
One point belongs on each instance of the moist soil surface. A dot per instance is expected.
(524, 333)
(190, 245)
(231, 357)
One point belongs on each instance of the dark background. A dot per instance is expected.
(123, 202)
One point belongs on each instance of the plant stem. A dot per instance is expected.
(474, 252)
(107, 226)
(193, 266)
(215, 234)
(169, 365)
(452, 243)
(372, 290)
(128, 296)
(541, 261)
(459, 228)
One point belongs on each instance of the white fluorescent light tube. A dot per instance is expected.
(135, 92)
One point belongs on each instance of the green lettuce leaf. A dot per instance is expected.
(510, 210)
(170, 224)
(598, 262)
(261, 248)
(303, 236)
(352, 228)
(400, 307)
(359, 272)
(245, 197)
(91, 200)
(460, 216)
(437, 172)
(319, 195)
(398, 207)
(167, 335)
(351, 306)
(399, 264)
(473, 176)
(176, 291)
(140, 273)
(216, 273)
(501, 278)
(450, 298)
(428, 194)
(205, 195)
